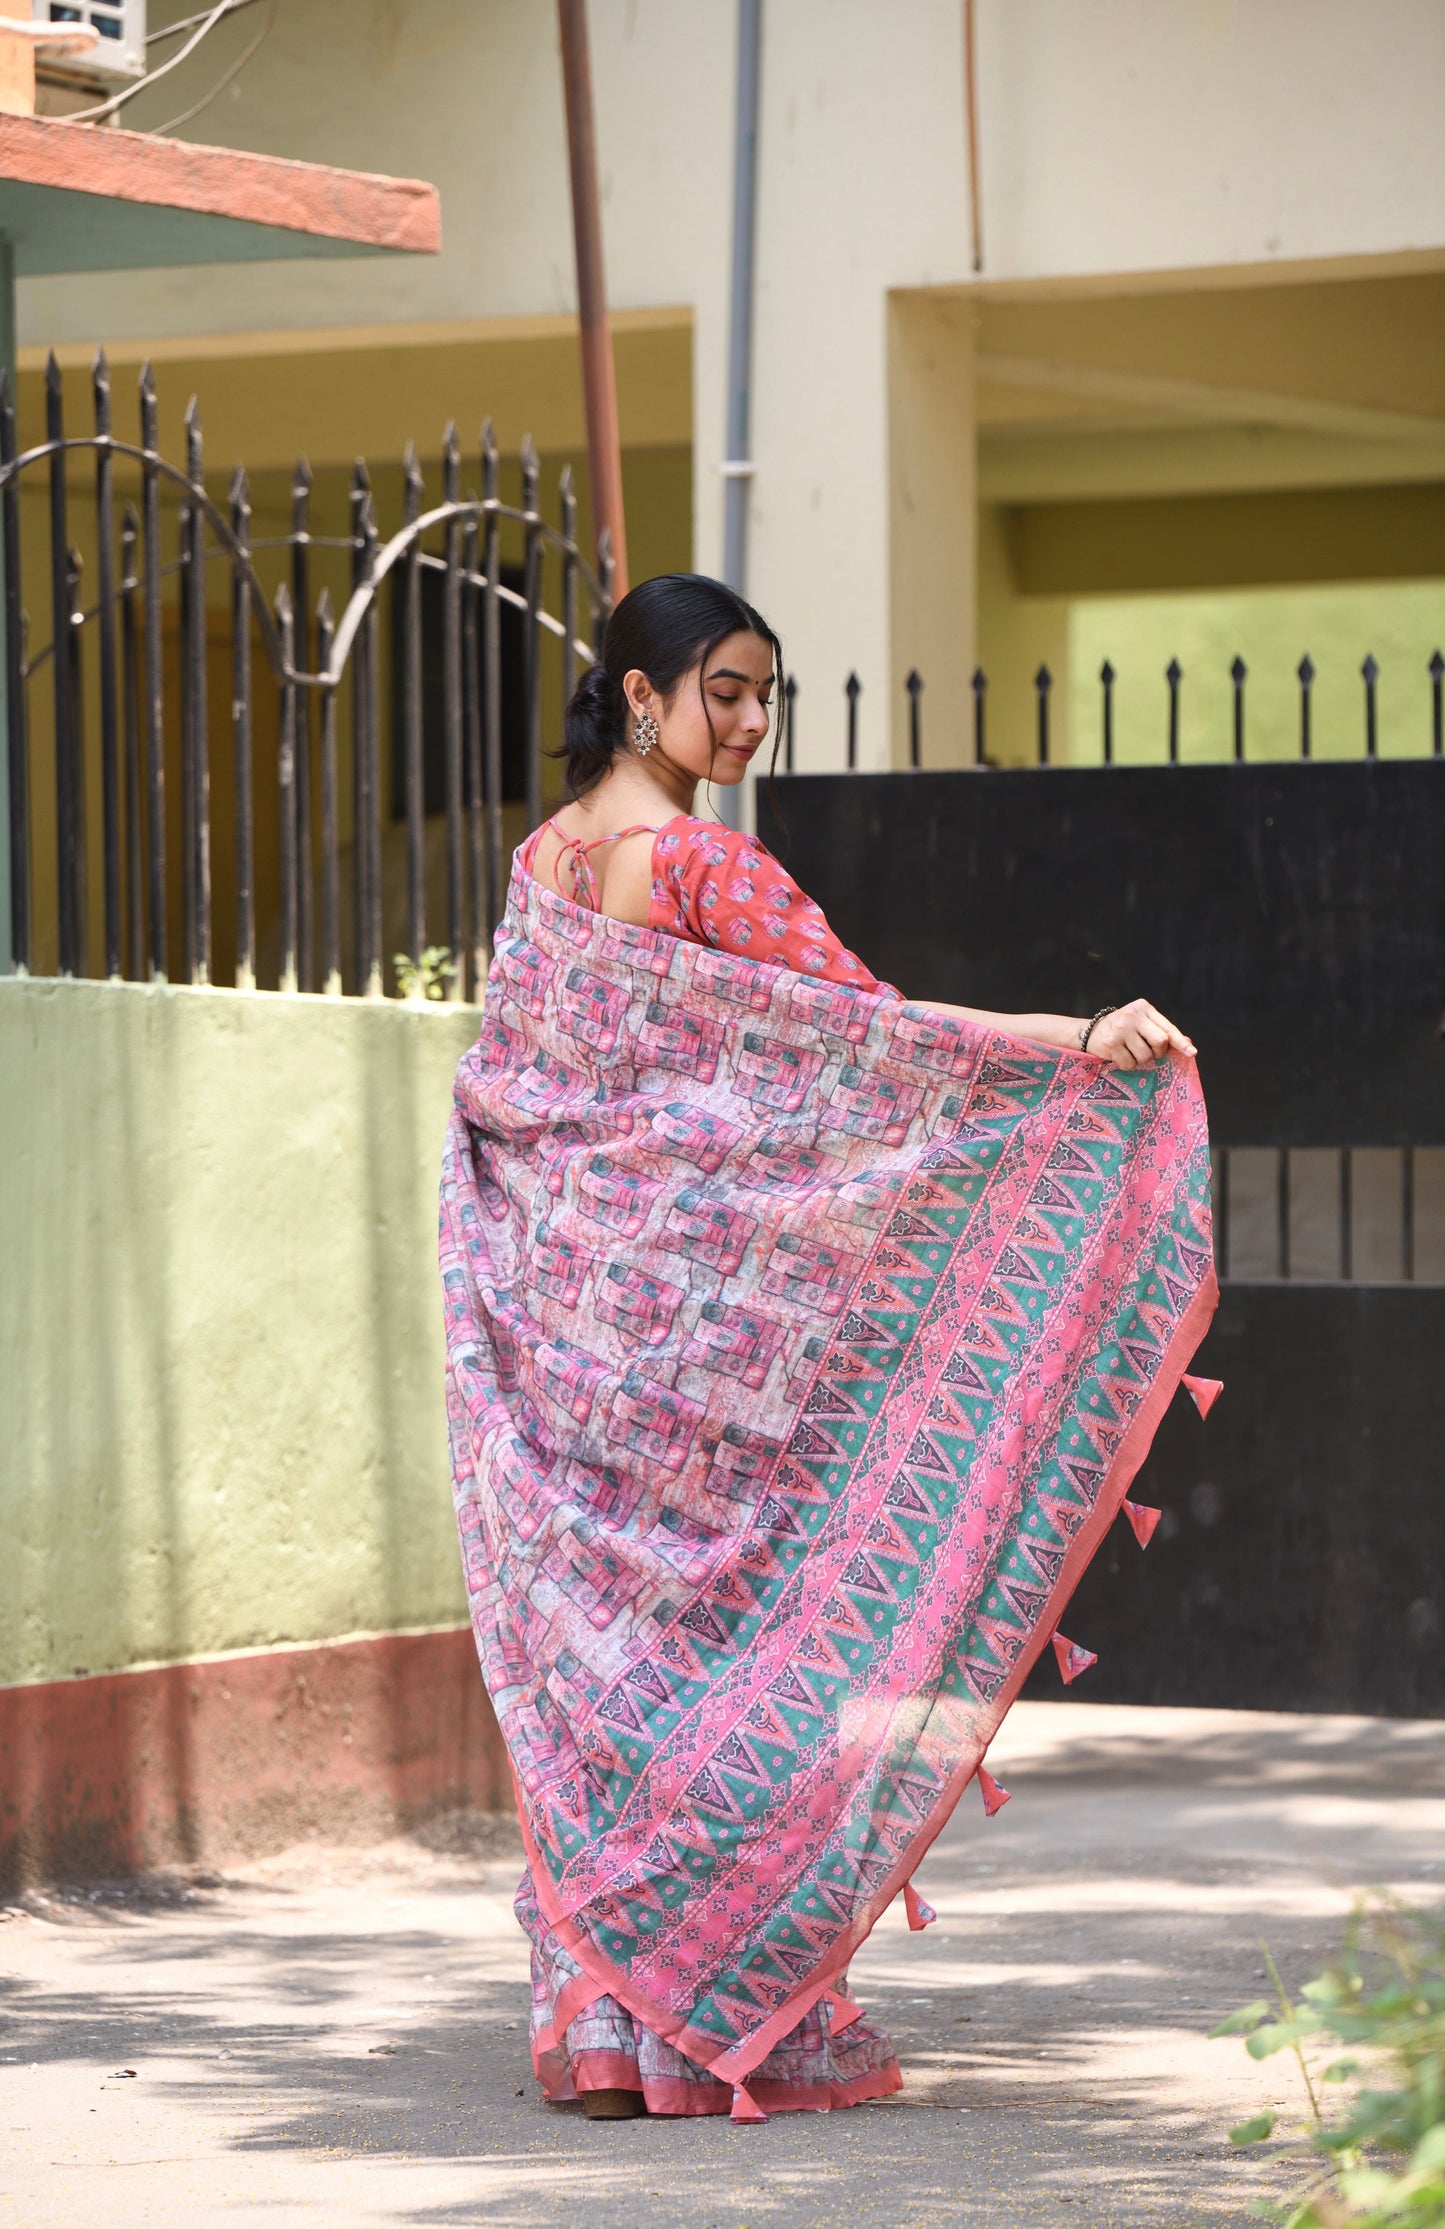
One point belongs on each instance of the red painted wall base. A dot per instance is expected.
(243, 1754)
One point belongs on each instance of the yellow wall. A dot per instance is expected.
(1016, 635)
(1271, 629)
(1229, 541)
(220, 1325)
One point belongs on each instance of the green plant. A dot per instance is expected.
(429, 976)
(1381, 2164)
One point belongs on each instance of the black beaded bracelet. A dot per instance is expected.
(1090, 1026)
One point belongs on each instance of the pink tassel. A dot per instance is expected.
(994, 1797)
(845, 2012)
(1072, 1659)
(1204, 1392)
(1143, 1519)
(743, 2107)
(920, 1914)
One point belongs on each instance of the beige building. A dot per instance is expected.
(1205, 348)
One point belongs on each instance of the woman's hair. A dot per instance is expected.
(664, 628)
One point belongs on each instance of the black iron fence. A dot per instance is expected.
(1431, 697)
(291, 758)
(117, 703)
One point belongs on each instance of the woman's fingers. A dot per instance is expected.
(1175, 1040)
(1137, 1035)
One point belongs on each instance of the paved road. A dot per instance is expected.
(336, 2038)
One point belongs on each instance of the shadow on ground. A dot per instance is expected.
(340, 2036)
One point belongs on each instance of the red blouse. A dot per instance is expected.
(715, 886)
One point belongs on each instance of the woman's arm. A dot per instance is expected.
(1127, 1037)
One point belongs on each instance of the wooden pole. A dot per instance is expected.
(599, 385)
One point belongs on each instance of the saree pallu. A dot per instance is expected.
(802, 1345)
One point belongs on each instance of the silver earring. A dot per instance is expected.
(644, 733)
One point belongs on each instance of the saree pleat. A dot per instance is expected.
(802, 1346)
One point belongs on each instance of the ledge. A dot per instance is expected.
(74, 197)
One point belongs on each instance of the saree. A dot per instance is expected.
(802, 1345)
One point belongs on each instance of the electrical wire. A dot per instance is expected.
(188, 23)
(207, 23)
(174, 123)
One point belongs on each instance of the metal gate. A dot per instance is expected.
(1292, 917)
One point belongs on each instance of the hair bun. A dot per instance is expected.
(592, 728)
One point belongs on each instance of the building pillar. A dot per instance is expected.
(932, 522)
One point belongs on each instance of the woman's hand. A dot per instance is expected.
(1136, 1034)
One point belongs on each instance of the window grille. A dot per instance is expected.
(120, 49)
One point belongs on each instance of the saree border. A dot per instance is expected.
(733, 2064)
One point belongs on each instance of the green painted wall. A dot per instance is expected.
(221, 1407)
(1401, 623)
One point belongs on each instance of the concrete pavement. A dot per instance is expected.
(337, 2037)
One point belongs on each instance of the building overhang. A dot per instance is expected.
(79, 197)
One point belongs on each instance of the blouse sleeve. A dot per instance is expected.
(716, 886)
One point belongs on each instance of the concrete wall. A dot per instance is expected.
(220, 1333)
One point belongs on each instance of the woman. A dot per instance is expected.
(802, 1344)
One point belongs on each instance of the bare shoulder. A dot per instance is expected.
(625, 882)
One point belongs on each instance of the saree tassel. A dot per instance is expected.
(744, 2107)
(844, 2013)
(994, 1797)
(1072, 1658)
(920, 1913)
(1204, 1392)
(1143, 1519)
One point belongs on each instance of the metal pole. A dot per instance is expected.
(14, 837)
(15, 791)
(738, 468)
(599, 383)
(970, 111)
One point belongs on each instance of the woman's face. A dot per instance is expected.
(737, 689)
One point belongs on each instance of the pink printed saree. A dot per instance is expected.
(802, 1345)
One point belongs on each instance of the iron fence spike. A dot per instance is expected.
(302, 478)
(1306, 669)
(1238, 670)
(1174, 673)
(1107, 674)
(52, 373)
(1370, 668)
(1436, 667)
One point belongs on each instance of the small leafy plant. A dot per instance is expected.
(429, 976)
(1381, 2164)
